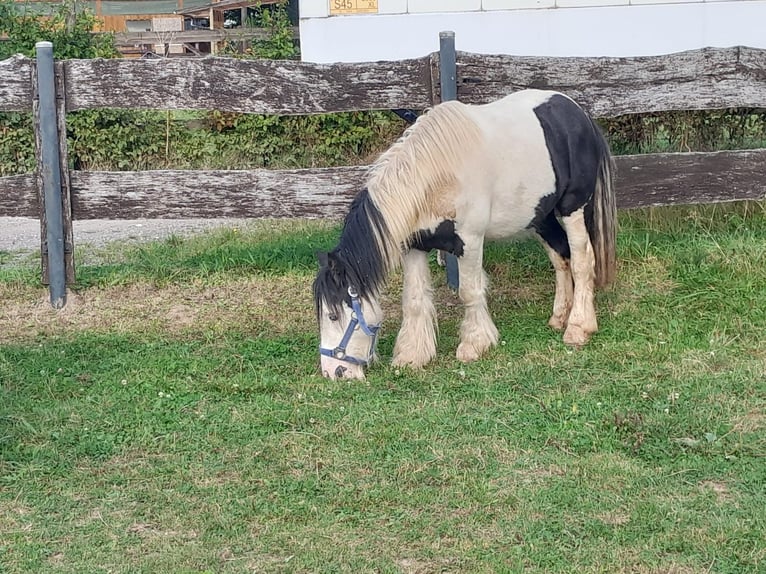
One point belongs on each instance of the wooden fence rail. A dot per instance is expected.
(709, 78)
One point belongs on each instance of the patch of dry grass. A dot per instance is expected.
(255, 303)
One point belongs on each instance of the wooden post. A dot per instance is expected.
(49, 170)
(448, 82)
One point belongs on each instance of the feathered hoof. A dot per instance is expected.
(411, 360)
(467, 353)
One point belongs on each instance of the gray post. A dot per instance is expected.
(448, 81)
(51, 173)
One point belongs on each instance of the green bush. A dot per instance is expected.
(68, 27)
(739, 128)
(17, 144)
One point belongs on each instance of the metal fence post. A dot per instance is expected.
(50, 174)
(448, 81)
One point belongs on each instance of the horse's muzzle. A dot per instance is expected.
(335, 370)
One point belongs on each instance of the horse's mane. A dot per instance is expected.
(417, 175)
(413, 179)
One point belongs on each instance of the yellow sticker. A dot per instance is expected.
(338, 7)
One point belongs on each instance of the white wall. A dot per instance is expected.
(410, 28)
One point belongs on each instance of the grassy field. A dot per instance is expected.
(172, 418)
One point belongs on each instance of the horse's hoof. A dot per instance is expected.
(467, 353)
(403, 360)
(557, 323)
(575, 336)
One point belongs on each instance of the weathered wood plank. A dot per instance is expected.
(16, 84)
(642, 180)
(255, 86)
(18, 196)
(304, 193)
(687, 178)
(709, 78)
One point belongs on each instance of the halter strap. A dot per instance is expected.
(357, 319)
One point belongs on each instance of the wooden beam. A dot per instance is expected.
(687, 178)
(16, 84)
(18, 196)
(255, 86)
(305, 193)
(642, 181)
(710, 78)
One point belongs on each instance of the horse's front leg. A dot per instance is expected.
(477, 332)
(416, 342)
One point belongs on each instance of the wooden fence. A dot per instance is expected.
(710, 78)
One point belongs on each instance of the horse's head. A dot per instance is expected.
(349, 320)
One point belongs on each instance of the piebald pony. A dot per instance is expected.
(463, 174)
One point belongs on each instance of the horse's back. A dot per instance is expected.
(512, 170)
(530, 138)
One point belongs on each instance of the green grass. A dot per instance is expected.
(173, 419)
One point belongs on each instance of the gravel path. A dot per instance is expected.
(22, 234)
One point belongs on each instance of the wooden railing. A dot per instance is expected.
(710, 78)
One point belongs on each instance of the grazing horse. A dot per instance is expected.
(533, 160)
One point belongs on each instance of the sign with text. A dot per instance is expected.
(339, 7)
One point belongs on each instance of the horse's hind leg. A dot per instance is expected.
(416, 342)
(582, 318)
(554, 240)
(477, 332)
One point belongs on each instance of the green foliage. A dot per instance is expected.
(124, 140)
(738, 128)
(69, 27)
(327, 139)
(280, 44)
(17, 144)
(116, 139)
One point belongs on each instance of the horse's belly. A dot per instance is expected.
(509, 218)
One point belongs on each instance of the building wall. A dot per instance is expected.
(410, 28)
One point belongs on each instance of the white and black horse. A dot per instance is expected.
(461, 174)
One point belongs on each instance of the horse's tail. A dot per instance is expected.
(602, 226)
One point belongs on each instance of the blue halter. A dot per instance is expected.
(357, 319)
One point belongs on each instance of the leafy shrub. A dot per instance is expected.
(115, 139)
(687, 131)
(17, 144)
(68, 27)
